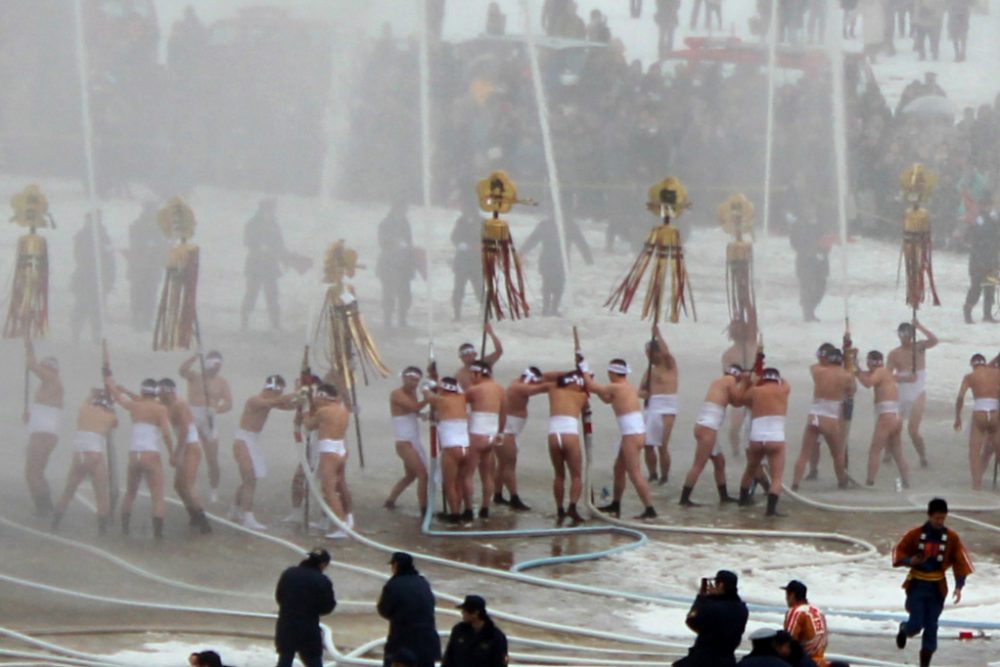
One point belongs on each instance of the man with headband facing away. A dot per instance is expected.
(246, 449)
(659, 386)
(150, 430)
(468, 354)
(768, 403)
(187, 454)
(984, 431)
(888, 425)
(405, 407)
(566, 400)
(486, 399)
(530, 383)
(330, 418)
(206, 410)
(448, 400)
(721, 394)
(624, 400)
(43, 425)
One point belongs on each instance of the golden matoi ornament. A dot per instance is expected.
(28, 309)
(176, 314)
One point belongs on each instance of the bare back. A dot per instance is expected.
(830, 383)
(566, 401)
(332, 421)
(449, 405)
(487, 396)
(721, 391)
(769, 399)
(403, 402)
(984, 381)
(95, 419)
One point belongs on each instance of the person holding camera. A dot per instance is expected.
(303, 594)
(407, 602)
(719, 617)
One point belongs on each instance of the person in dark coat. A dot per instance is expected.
(408, 604)
(146, 256)
(467, 266)
(265, 253)
(550, 262)
(984, 258)
(476, 641)
(395, 266)
(773, 648)
(303, 595)
(812, 261)
(84, 286)
(719, 617)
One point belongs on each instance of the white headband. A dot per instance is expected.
(620, 369)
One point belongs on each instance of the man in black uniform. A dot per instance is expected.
(466, 236)
(408, 604)
(476, 641)
(719, 617)
(812, 261)
(265, 253)
(303, 595)
(146, 255)
(984, 248)
(395, 266)
(550, 262)
(84, 285)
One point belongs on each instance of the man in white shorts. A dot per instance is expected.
(984, 431)
(768, 403)
(566, 400)
(43, 419)
(888, 423)
(530, 383)
(659, 389)
(448, 400)
(486, 399)
(721, 394)
(206, 410)
(404, 408)
(912, 379)
(330, 419)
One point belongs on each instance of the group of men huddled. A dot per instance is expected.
(479, 424)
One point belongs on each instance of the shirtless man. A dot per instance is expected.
(467, 353)
(888, 424)
(768, 403)
(486, 399)
(205, 412)
(741, 353)
(187, 455)
(247, 452)
(721, 394)
(566, 400)
(405, 407)
(831, 382)
(912, 395)
(530, 383)
(984, 381)
(43, 426)
(330, 418)
(150, 429)
(94, 422)
(659, 389)
(448, 400)
(624, 400)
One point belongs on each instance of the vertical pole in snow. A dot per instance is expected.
(425, 106)
(834, 40)
(772, 57)
(88, 154)
(550, 158)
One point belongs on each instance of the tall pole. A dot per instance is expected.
(425, 105)
(83, 70)
(835, 47)
(772, 59)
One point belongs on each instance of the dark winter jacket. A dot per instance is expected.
(303, 595)
(719, 622)
(468, 648)
(408, 604)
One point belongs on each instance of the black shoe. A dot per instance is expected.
(467, 515)
(573, 515)
(662, 481)
(648, 513)
(613, 508)
(518, 505)
(813, 474)
(686, 498)
(453, 518)
(560, 515)
(201, 521)
(772, 506)
(745, 499)
(652, 477)
(901, 636)
(724, 497)
(484, 512)
(498, 499)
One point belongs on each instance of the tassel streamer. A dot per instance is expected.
(739, 283)
(176, 314)
(503, 276)
(28, 313)
(917, 258)
(348, 338)
(664, 252)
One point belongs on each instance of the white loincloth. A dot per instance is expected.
(200, 414)
(328, 446)
(887, 408)
(88, 442)
(453, 433)
(659, 405)
(406, 428)
(43, 419)
(822, 407)
(711, 415)
(631, 424)
(767, 429)
(249, 438)
(145, 438)
(909, 392)
(484, 423)
(986, 405)
(514, 425)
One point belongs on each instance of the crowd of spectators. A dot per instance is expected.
(618, 126)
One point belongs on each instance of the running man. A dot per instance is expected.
(984, 381)
(530, 383)
(448, 400)
(721, 393)
(566, 400)
(741, 353)
(929, 550)
(331, 418)
(150, 431)
(624, 400)
(659, 389)
(467, 354)
(187, 456)
(888, 424)
(486, 399)
(94, 422)
(768, 403)
(405, 407)
(831, 382)
(246, 449)
(206, 412)
(912, 380)
(42, 419)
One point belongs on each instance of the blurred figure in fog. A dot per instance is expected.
(984, 259)
(812, 260)
(550, 261)
(467, 265)
(265, 254)
(597, 29)
(188, 38)
(928, 17)
(395, 266)
(816, 25)
(958, 26)
(496, 21)
(666, 21)
(147, 251)
(86, 303)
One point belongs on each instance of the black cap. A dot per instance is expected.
(937, 506)
(797, 588)
(401, 558)
(728, 578)
(473, 603)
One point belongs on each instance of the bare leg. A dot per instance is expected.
(452, 460)
(810, 445)
(407, 454)
(618, 484)
(649, 454)
(830, 429)
(705, 439)
(98, 471)
(248, 484)
(574, 461)
(487, 472)
(469, 467)
(880, 437)
(719, 472)
(133, 477)
(329, 466)
(211, 447)
(154, 478)
(976, 437)
(507, 460)
(630, 457)
(896, 447)
(736, 417)
(776, 464)
(558, 469)
(668, 427)
(40, 446)
(76, 475)
(755, 453)
(913, 428)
